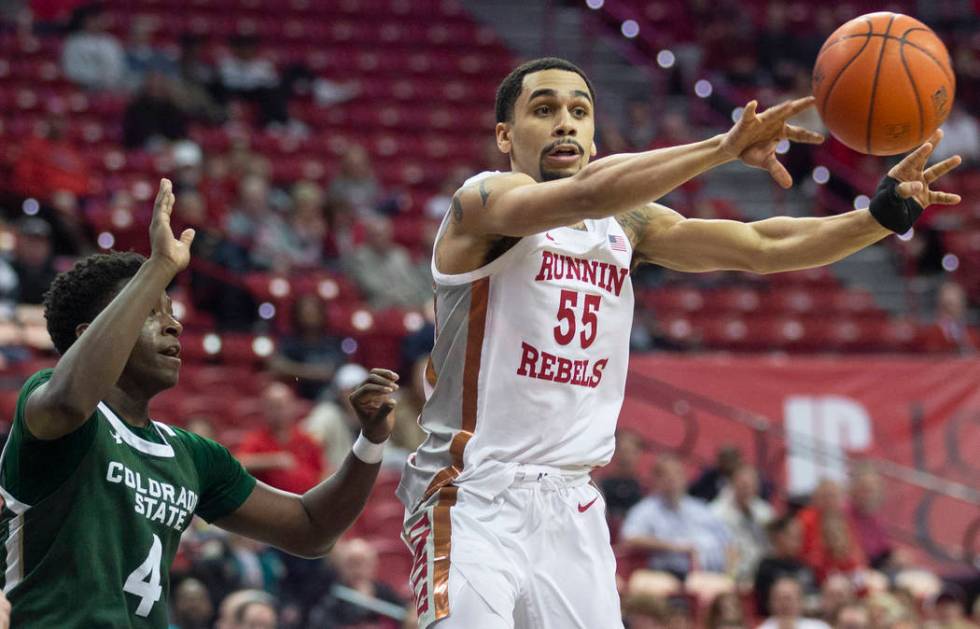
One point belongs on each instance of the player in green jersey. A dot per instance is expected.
(96, 494)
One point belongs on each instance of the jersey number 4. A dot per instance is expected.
(144, 582)
(566, 328)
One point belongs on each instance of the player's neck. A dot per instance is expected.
(134, 410)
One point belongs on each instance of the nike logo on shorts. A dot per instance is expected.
(583, 508)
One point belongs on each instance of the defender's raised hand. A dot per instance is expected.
(164, 247)
(754, 137)
(915, 178)
(373, 404)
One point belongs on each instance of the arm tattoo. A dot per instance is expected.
(457, 208)
(633, 223)
(484, 193)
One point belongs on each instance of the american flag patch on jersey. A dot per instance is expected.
(618, 243)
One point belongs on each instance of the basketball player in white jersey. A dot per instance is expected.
(534, 306)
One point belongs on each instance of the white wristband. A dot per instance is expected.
(368, 451)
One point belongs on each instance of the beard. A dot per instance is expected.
(551, 175)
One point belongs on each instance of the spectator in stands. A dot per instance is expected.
(786, 541)
(679, 530)
(9, 289)
(621, 489)
(91, 56)
(192, 606)
(713, 479)
(438, 204)
(829, 544)
(153, 117)
(786, 605)
(384, 270)
(309, 222)
(332, 423)
(257, 615)
(280, 453)
(309, 354)
(248, 75)
(951, 331)
(852, 616)
(645, 611)
(142, 57)
(747, 516)
(356, 562)
(869, 529)
(726, 612)
(356, 186)
(886, 609)
(835, 592)
(49, 162)
(288, 243)
(418, 344)
(962, 137)
(640, 129)
(951, 610)
(198, 82)
(250, 211)
(407, 435)
(230, 606)
(34, 260)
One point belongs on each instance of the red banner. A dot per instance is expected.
(804, 419)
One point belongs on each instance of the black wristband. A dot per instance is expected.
(891, 210)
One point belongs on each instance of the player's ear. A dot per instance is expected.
(594, 150)
(81, 327)
(503, 137)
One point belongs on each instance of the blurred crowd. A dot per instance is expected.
(720, 551)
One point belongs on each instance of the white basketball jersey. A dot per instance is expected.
(530, 360)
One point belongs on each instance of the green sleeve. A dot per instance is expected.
(32, 468)
(224, 482)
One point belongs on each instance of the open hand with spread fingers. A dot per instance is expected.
(915, 178)
(165, 247)
(905, 192)
(373, 404)
(754, 137)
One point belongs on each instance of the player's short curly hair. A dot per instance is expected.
(510, 88)
(78, 295)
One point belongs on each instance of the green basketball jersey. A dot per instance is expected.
(91, 521)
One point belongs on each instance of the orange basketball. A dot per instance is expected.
(883, 83)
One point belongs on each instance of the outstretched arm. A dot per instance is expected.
(93, 364)
(309, 525)
(664, 237)
(514, 204)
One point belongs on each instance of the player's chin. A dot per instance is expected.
(551, 174)
(168, 375)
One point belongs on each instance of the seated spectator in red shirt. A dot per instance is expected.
(829, 544)
(868, 527)
(951, 332)
(48, 163)
(279, 453)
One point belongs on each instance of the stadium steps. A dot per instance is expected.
(532, 30)
(874, 270)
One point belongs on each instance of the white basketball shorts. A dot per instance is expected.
(536, 556)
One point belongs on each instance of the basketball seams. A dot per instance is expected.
(925, 51)
(833, 84)
(915, 88)
(874, 82)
